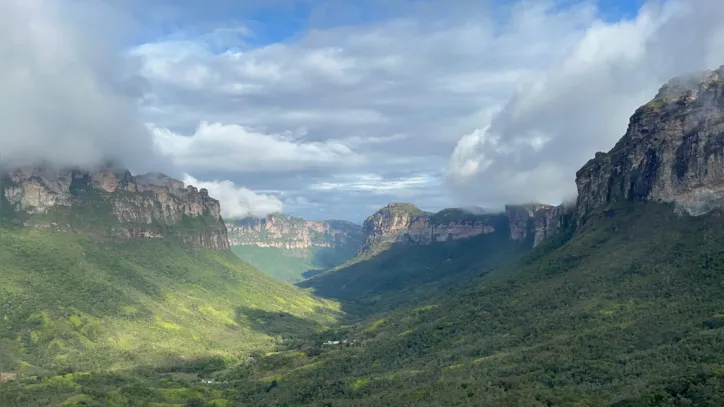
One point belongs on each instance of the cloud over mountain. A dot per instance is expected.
(559, 117)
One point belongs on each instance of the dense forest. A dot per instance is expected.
(626, 312)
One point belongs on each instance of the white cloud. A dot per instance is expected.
(67, 95)
(218, 147)
(559, 117)
(238, 201)
(374, 183)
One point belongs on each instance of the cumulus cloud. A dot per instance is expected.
(387, 98)
(557, 119)
(236, 201)
(352, 113)
(67, 94)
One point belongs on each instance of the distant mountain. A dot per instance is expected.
(291, 248)
(409, 253)
(404, 223)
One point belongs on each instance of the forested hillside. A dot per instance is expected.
(568, 324)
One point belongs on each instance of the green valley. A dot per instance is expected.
(293, 265)
(70, 305)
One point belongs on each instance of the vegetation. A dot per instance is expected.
(569, 324)
(627, 311)
(294, 265)
(407, 273)
(82, 320)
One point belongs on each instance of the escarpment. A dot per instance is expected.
(534, 221)
(672, 151)
(113, 203)
(405, 223)
(292, 232)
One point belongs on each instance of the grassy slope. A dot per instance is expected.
(293, 265)
(69, 304)
(629, 312)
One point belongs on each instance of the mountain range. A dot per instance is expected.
(122, 290)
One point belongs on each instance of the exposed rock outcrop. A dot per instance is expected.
(291, 232)
(672, 151)
(540, 220)
(405, 223)
(115, 203)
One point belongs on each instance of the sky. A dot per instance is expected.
(332, 109)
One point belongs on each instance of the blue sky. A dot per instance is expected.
(279, 21)
(332, 109)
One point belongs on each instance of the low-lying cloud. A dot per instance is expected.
(69, 96)
(236, 201)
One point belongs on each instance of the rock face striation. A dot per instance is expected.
(405, 223)
(538, 221)
(112, 202)
(672, 151)
(291, 232)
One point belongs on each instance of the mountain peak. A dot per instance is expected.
(690, 84)
(403, 207)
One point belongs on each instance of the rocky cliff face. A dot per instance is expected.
(115, 203)
(673, 151)
(291, 232)
(535, 221)
(405, 223)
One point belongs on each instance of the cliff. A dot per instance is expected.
(113, 203)
(291, 232)
(405, 223)
(672, 151)
(534, 221)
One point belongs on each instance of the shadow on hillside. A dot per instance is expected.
(312, 272)
(275, 323)
(404, 274)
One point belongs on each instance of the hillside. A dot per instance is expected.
(81, 302)
(375, 281)
(566, 325)
(290, 248)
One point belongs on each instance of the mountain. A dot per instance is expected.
(112, 203)
(671, 152)
(405, 223)
(620, 306)
(425, 252)
(112, 282)
(291, 248)
(536, 221)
